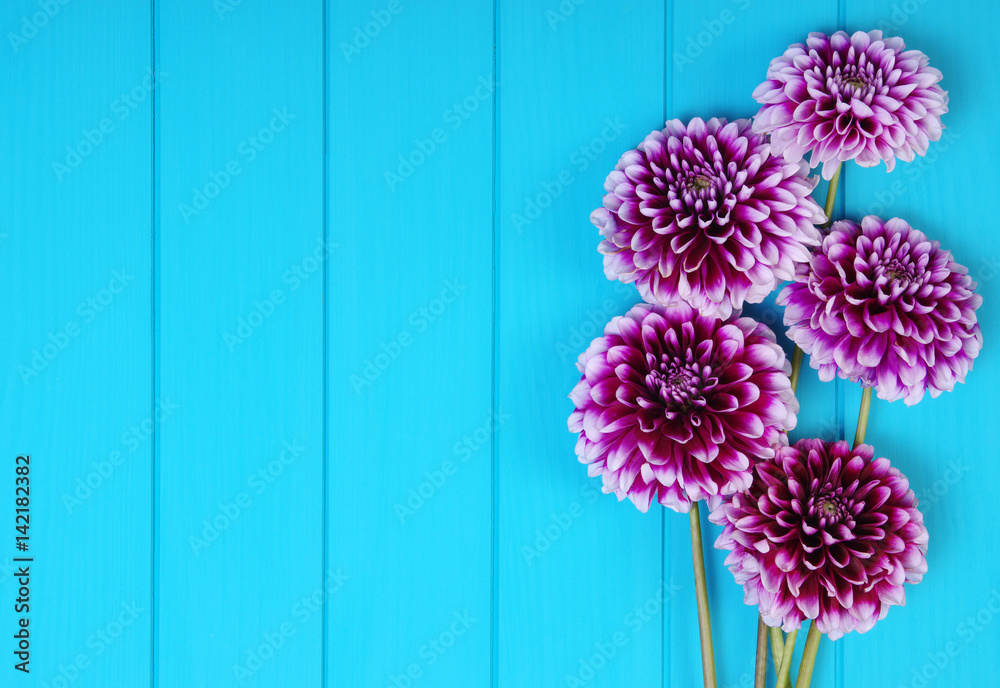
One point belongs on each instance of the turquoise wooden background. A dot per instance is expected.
(291, 299)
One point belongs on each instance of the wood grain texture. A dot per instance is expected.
(410, 295)
(240, 540)
(75, 353)
(574, 565)
(580, 588)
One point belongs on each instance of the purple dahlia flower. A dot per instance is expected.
(858, 97)
(881, 304)
(703, 213)
(824, 533)
(675, 406)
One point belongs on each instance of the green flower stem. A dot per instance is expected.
(701, 592)
(866, 403)
(809, 657)
(784, 680)
(797, 356)
(777, 646)
(831, 194)
(760, 668)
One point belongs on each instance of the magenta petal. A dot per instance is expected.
(704, 213)
(667, 409)
(857, 97)
(804, 541)
(882, 305)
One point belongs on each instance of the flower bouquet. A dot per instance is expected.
(683, 400)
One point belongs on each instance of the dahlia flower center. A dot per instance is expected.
(831, 508)
(898, 271)
(696, 189)
(695, 186)
(853, 82)
(677, 383)
(701, 182)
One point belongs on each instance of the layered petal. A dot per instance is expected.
(676, 406)
(703, 213)
(860, 97)
(824, 533)
(882, 305)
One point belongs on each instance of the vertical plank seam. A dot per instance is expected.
(666, 645)
(494, 465)
(324, 658)
(154, 372)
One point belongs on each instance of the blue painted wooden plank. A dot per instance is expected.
(947, 446)
(581, 591)
(240, 541)
(720, 54)
(76, 358)
(410, 297)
